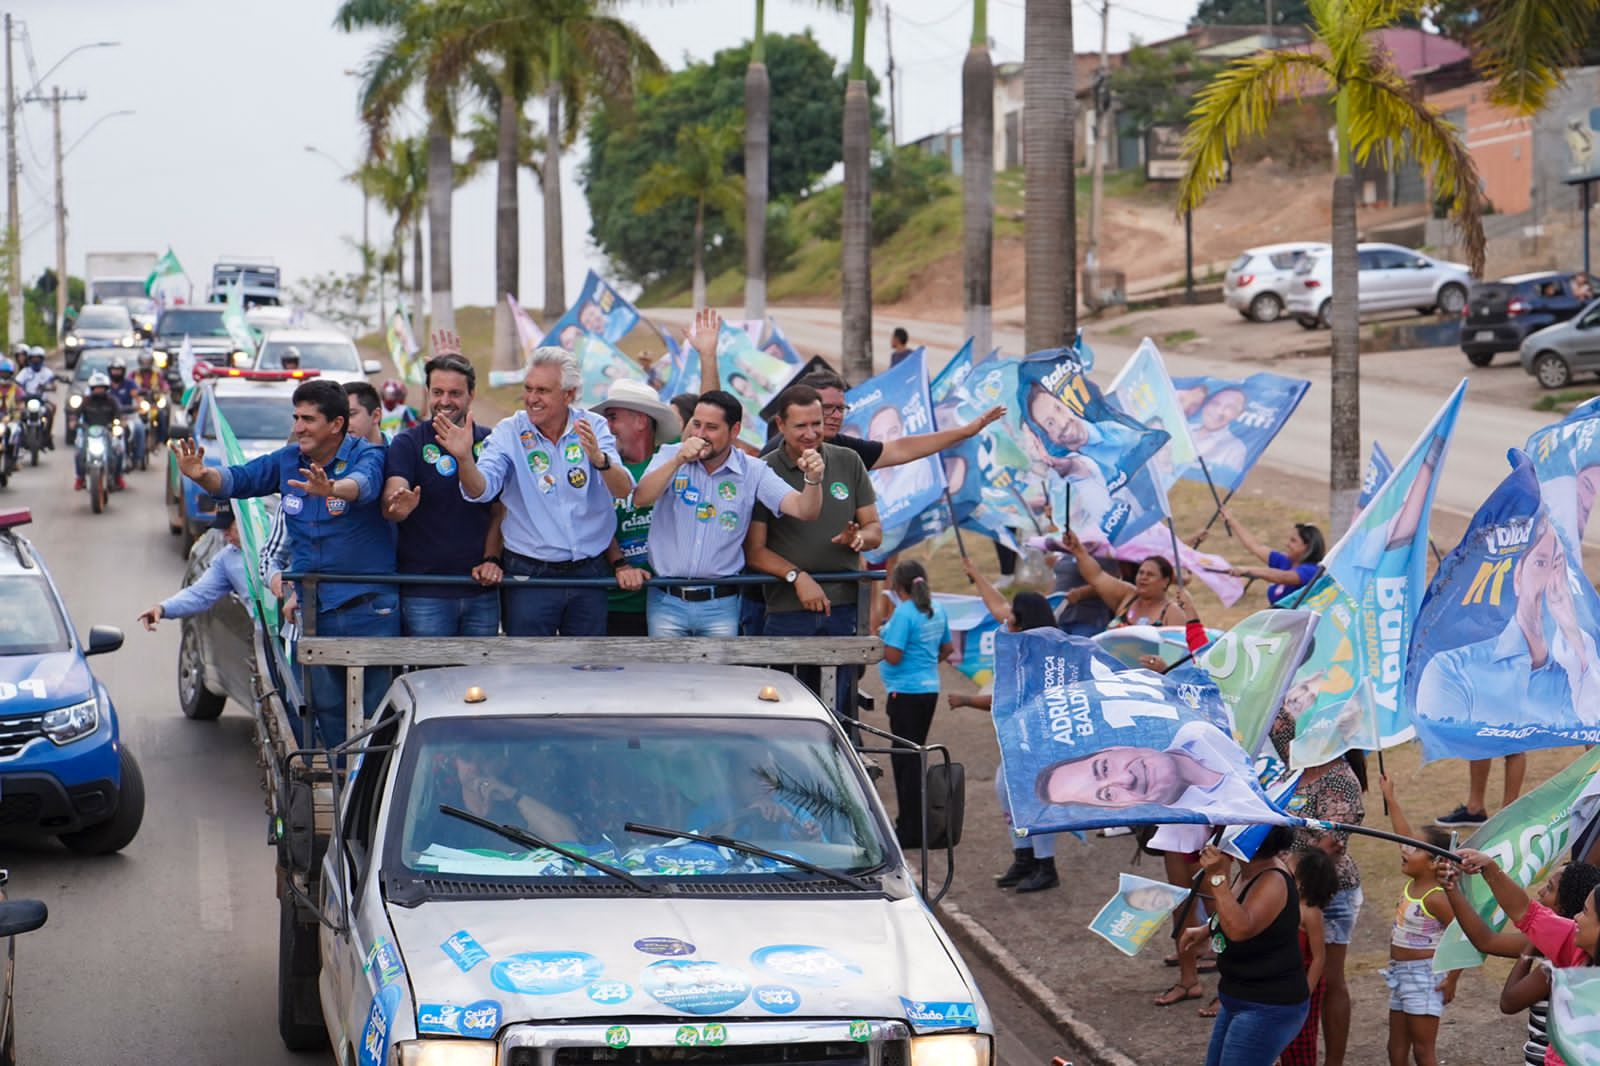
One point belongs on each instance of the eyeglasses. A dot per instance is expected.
(833, 408)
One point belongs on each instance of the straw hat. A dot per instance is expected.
(637, 396)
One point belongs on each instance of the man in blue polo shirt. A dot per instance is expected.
(330, 483)
(557, 471)
(439, 532)
(704, 491)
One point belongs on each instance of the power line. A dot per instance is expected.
(946, 17)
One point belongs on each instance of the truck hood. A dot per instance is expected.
(30, 684)
(545, 959)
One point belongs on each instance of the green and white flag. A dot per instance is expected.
(1252, 664)
(403, 348)
(239, 328)
(255, 524)
(1575, 1013)
(1527, 840)
(167, 280)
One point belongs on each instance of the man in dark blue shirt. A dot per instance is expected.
(440, 532)
(330, 483)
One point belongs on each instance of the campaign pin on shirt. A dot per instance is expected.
(446, 465)
(573, 452)
(538, 462)
(547, 482)
(680, 483)
(706, 512)
(336, 506)
(477, 449)
(293, 504)
(339, 467)
(577, 478)
(526, 437)
(839, 490)
(690, 496)
(727, 490)
(430, 453)
(728, 520)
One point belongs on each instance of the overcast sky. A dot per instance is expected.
(228, 93)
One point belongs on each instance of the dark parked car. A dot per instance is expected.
(1500, 314)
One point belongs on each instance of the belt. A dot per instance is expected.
(560, 568)
(701, 593)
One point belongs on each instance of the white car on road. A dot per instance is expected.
(1392, 278)
(329, 352)
(1257, 283)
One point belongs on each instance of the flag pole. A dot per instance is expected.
(1177, 563)
(1212, 485)
(961, 543)
(1368, 831)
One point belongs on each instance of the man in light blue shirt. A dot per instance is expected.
(225, 574)
(556, 469)
(704, 491)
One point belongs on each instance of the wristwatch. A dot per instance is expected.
(604, 463)
(792, 576)
(1219, 879)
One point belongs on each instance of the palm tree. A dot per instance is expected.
(757, 156)
(977, 180)
(1050, 243)
(1525, 46)
(1375, 111)
(698, 171)
(399, 180)
(855, 299)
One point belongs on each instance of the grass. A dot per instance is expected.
(1179, 336)
(1564, 400)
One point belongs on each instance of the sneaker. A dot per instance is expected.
(121, 484)
(77, 484)
(1461, 817)
(1115, 831)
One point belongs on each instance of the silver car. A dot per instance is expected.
(1554, 354)
(1257, 283)
(1391, 278)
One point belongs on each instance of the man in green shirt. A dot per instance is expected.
(641, 423)
(792, 550)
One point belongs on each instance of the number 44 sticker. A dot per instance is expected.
(32, 687)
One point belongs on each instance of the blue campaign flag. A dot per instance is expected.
(1232, 422)
(1503, 656)
(892, 405)
(601, 363)
(600, 310)
(1085, 742)
(748, 372)
(1131, 917)
(778, 345)
(1379, 470)
(1566, 456)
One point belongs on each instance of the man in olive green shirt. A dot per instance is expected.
(790, 549)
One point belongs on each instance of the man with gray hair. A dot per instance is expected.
(557, 471)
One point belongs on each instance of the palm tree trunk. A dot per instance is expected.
(699, 254)
(441, 186)
(1344, 443)
(416, 284)
(856, 252)
(505, 233)
(977, 183)
(757, 117)
(1050, 250)
(555, 288)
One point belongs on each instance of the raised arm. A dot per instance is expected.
(1397, 817)
(1507, 944)
(703, 338)
(1512, 897)
(998, 606)
(1113, 590)
(922, 445)
(1251, 542)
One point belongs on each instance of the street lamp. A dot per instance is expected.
(92, 125)
(82, 47)
(366, 248)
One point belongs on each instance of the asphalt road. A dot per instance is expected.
(168, 951)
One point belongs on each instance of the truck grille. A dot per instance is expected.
(844, 1054)
(18, 733)
(739, 1042)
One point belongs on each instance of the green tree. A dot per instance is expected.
(1251, 13)
(697, 173)
(1523, 46)
(1050, 242)
(977, 182)
(1156, 86)
(1375, 111)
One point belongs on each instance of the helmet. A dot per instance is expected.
(99, 380)
(36, 352)
(7, 367)
(20, 350)
(394, 389)
(147, 361)
(289, 353)
(119, 363)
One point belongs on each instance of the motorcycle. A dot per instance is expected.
(10, 448)
(103, 450)
(153, 409)
(35, 429)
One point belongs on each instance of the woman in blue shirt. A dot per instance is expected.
(915, 638)
(1287, 571)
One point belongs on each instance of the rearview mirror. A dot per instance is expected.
(103, 639)
(371, 366)
(1420, 263)
(945, 793)
(22, 916)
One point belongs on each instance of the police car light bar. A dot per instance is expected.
(11, 519)
(207, 370)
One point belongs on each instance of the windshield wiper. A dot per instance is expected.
(750, 849)
(522, 836)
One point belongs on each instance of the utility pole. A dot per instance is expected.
(13, 241)
(55, 100)
(1102, 109)
(894, 122)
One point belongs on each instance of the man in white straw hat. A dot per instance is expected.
(641, 423)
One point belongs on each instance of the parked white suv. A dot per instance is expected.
(1257, 284)
(1392, 278)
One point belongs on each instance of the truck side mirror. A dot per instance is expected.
(22, 916)
(945, 793)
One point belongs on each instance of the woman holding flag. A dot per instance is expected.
(1145, 602)
(1287, 571)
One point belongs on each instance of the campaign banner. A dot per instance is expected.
(1566, 456)
(1574, 1019)
(254, 524)
(1212, 571)
(1131, 917)
(601, 364)
(777, 344)
(1129, 644)
(1252, 666)
(529, 335)
(750, 374)
(1086, 743)
(1527, 840)
(1143, 390)
(1502, 657)
(403, 348)
(888, 407)
(600, 310)
(972, 631)
(1368, 597)
(1379, 470)
(1232, 421)
(1279, 782)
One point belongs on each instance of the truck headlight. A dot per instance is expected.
(66, 724)
(160, 357)
(241, 358)
(127, 342)
(443, 1053)
(75, 401)
(953, 1049)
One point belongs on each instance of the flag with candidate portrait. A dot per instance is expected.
(600, 310)
(885, 408)
(1351, 691)
(403, 348)
(1131, 917)
(1503, 656)
(1143, 391)
(972, 632)
(1231, 422)
(1086, 742)
(600, 364)
(777, 344)
(1252, 666)
(1566, 457)
(750, 374)
(1379, 469)
(529, 335)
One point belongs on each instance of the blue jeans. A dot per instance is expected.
(841, 622)
(375, 615)
(1253, 1034)
(477, 615)
(548, 612)
(671, 616)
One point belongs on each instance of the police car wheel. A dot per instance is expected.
(119, 830)
(194, 699)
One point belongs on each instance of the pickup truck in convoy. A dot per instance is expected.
(560, 854)
(259, 279)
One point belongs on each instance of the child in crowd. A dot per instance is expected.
(915, 638)
(1317, 879)
(1416, 996)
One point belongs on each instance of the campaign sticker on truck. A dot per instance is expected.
(463, 950)
(663, 945)
(545, 973)
(384, 961)
(776, 999)
(928, 1015)
(375, 1037)
(695, 987)
(610, 992)
(807, 964)
(480, 1019)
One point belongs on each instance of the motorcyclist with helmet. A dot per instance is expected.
(99, 408)
(11, 401)
(395, 415)
(126, 394)
(152, 384)
(36, 380)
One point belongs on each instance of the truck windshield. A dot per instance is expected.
(104, 318)
(256, 417)
(783, 784)
(29, 621)
(106, 290)
(196, 323)
(314, 355)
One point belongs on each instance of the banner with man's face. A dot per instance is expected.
(1566, 456)
(600, 310)
(1232, 421)
(600, 363)
(1086, 742)
(885, 408)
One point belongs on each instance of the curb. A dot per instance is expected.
(1087, 1043)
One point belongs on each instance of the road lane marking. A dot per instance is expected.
(211, 856)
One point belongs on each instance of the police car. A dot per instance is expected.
(257, 405)
(63, 767)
